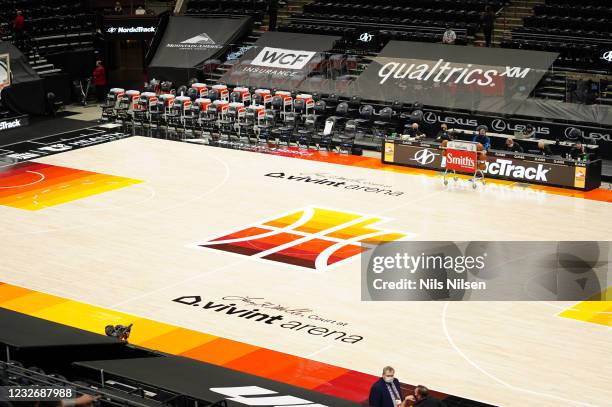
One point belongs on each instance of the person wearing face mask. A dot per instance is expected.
(482, 138)
(386, 391)
(444, 134)
(413, 132)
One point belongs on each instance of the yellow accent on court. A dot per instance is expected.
(595, 312)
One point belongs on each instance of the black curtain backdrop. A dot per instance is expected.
(189, 42)
(26, 93)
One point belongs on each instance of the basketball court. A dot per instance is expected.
(189, 242)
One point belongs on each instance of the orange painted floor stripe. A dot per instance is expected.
(263, 362)
(178, 341)
(220, 351)
(309, 374)
(32, 302)
(9, 292)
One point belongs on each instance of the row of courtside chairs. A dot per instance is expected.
(217, 114)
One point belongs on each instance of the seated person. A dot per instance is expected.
(449, 36)
(529, 131)
(444, 134)
(512, 146)
(421, 398)
(482, 138)
(543, 149)
(414, 132)
(578, 152)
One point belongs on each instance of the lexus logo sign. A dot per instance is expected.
(498, 125)
(430, 118)
(572, 133)
(433, 118)
(425, 156)
(607, 56)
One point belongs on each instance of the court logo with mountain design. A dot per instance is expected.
(312, 238)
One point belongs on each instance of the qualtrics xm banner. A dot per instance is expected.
(281, 60)
(485, 79)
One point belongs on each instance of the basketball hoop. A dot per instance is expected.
(5, 72)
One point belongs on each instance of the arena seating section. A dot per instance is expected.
(417, 20)
(577, 29)
(53, 27)
(580, 31)
(254, 8)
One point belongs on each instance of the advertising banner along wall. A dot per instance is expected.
(189, 41)
(283, 60)
(482, 79)
(119, 27)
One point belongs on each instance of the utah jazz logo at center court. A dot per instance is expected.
(312, 238)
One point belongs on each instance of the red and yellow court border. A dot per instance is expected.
(599, 194)
(282, 367)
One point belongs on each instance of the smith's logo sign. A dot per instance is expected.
(282, 58)
(311, 238)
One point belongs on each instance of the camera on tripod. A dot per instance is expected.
(120, 332)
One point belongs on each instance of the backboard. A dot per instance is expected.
(5, 71)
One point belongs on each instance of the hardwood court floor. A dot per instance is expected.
(133, 247)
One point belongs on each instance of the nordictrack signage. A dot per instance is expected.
(116, 27)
